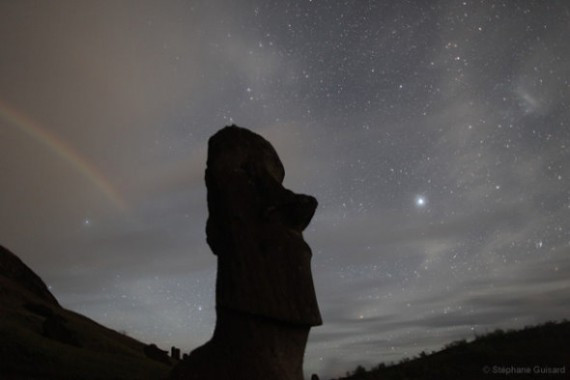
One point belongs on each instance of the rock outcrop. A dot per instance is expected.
(153, 352)
(265, 298)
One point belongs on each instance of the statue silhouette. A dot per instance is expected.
(265, 297)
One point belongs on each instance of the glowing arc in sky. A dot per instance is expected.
(61, 149)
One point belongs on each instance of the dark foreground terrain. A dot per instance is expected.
(42, 340)
(538, 352)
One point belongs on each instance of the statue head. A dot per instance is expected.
(255, 228)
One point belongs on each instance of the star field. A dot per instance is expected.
(435, 135)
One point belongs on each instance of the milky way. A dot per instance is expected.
(435, 135)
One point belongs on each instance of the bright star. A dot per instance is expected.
(420, 201)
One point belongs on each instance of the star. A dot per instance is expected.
(420, 201)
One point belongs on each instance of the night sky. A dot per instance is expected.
(435, 135)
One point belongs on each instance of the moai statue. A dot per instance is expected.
(265, 298)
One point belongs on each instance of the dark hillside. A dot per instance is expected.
(42, 340)
(531, 353)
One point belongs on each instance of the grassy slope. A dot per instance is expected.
(546, 345)
(26, 353)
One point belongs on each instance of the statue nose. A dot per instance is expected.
(302, 211)
(306, 202)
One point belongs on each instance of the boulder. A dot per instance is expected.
(54, 327)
